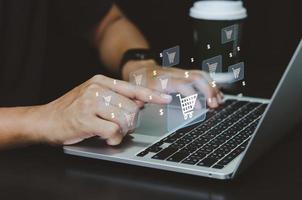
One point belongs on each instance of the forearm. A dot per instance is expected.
(116, 38)
(17, 126)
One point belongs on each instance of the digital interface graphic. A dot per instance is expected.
(237, 71)
(138, 77)
(186, 109)
(212, 65)
(163, 82)
(187, 105)
(171, 57)
(229, 34)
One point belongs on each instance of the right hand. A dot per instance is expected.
(82, 113)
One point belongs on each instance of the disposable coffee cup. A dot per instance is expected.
(217, 33)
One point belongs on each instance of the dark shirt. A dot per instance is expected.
(46, 47)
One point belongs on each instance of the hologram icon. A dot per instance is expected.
(228, 34)
(236, 72)
(130, 119)
(212, 68)
(138, 79)
(163, 83)
(187, 105)
(187, 74)
(212, 65)
(161, 112)
(107, 100)
(171, 57)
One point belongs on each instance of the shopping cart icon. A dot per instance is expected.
(171, 57)
(138, 79)
(212, 68)
(228, 34)
(130, 119)
(163, 83)
(187, 105)
(236, 72)
(107, 100)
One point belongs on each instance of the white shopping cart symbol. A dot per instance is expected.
(163, 83)
(107, 100)
(171, 57)
(236, 72)
(212, 68)
(130, 119)
(228, 34)
(187, 105)
(138, 79)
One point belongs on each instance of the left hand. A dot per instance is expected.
(186, 82)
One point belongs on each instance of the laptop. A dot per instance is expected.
(221, 146)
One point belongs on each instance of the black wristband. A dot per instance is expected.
(137, 54)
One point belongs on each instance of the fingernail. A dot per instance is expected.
(166, 96)
(213, 102)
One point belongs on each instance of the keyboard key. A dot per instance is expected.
(178, 144)
(142, 154)
(199, 155)
(232, 155)
(217, 166)
(154, 149)
(191, 160)
(178, 156)
(162, 155)
(207, 162)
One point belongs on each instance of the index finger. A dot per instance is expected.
(132, 91)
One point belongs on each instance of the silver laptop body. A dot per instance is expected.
(282, 113)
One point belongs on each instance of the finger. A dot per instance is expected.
(103, 128)
(119, 101)
(211, 82)
(140, 104)
(124, 119)
(107, 130)
(131, 91)
(73, 141)
(115, 140)
(172, 72)
(203, 86)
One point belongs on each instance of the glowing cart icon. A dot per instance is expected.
(228, 34)
(212, 68)
(187, 105)
(236, 72)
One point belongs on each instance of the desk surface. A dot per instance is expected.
(46, 173)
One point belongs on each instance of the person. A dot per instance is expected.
(78, 114)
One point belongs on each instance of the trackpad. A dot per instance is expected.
(158, 120)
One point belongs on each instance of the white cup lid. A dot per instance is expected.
(218, 10)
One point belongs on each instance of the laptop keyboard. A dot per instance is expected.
(216, 141)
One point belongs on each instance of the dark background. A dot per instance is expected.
(271, 33)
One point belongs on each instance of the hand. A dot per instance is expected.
(185, 82)
(83, 112)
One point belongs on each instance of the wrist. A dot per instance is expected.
(32, 124)
(19, 126)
